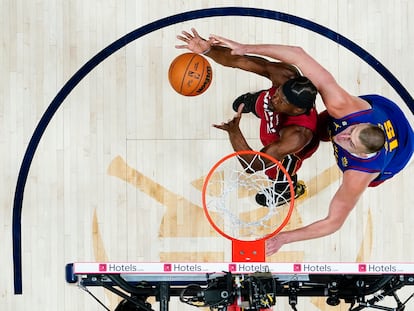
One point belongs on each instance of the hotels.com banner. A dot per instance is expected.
(243, 268)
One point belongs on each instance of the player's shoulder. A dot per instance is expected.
(345, 104)
(304, 121)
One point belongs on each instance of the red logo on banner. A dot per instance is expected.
(297, 267)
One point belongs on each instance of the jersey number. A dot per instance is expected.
(389, 131)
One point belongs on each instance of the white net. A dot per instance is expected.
(232, 192)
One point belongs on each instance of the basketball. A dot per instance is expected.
(190, 74)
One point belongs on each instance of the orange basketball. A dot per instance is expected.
(190, 74)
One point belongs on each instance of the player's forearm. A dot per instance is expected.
(297, 56)
(315, 230)
(286, 53)
(222, 55)
(338, 212)
(238, 141)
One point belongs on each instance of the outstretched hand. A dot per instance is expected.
(194, 42)
(274, 244)
(232, 124)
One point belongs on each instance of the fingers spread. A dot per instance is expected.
(195, 33)
(188, 35)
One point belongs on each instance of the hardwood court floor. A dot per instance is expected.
(117, 175)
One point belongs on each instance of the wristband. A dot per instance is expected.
(206, 51)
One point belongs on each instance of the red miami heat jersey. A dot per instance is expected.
(272, 123)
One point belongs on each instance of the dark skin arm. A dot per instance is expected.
(292, 140)
(338, 101)
(277, 72)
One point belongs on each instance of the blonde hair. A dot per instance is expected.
(372, 137)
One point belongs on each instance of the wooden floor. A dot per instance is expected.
(117, 175)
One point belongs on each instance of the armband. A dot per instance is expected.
(206, 51)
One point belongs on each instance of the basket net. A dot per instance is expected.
(229, 197)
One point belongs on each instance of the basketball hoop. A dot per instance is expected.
(229, 205)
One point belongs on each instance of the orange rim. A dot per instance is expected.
(235, 154)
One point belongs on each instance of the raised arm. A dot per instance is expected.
(277, 72)
(292, 139)
(337, 101)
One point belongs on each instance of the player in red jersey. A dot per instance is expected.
(372, 139)
(288, 118)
